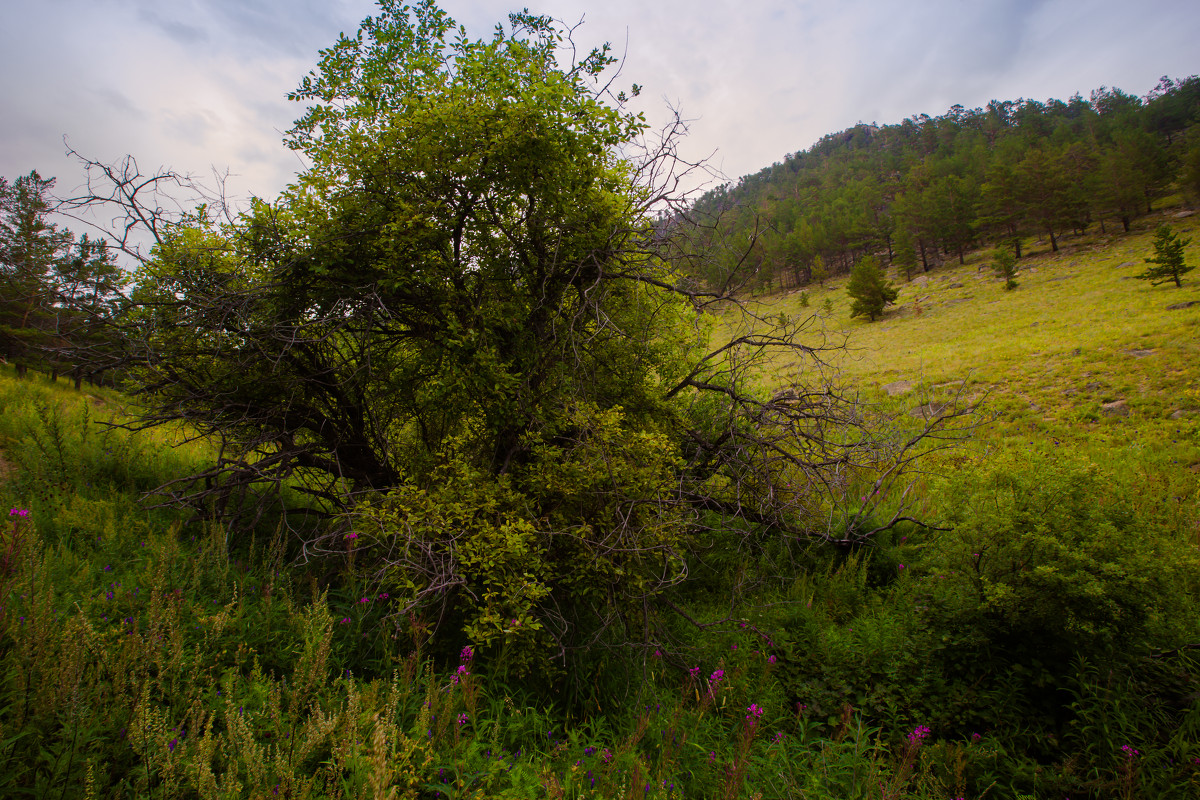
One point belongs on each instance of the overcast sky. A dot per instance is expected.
(201, 84)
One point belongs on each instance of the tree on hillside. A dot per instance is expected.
(30, 246)
(464, 333)
(1006, 266)
(906, 253)
(89, 296)
(1168, 258)
(869, 289)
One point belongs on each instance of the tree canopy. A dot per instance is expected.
(463, 333)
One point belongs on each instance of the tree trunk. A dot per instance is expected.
(1053, 241)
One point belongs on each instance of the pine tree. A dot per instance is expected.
(1168, 258)
(1006, 266)
(906, 253)
(869, 289)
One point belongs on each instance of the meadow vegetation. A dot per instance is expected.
(468, 468)
(1043, 643)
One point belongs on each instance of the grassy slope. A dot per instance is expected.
(88, 536)
(1077, 333)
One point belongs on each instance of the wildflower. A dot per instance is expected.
(918, 735)
(975, 737)
(1129, 751)
(733, 647)
(771, 659)
(778, 737)
(365, 600)
(383, 596)
(345, 620)
(754, 712)
(716, 677)
(712, 756)
(18, 512)
(694, 672)
(467, 654)
(462, 670)
(171, 744)
(901, 566)
(462, 719)
(351, 535)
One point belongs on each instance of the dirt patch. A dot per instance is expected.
(6, 469)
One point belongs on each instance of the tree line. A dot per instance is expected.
(58, 293)
(930, 188)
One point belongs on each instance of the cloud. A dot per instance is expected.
(195, 83)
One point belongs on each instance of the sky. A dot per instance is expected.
(199, 86)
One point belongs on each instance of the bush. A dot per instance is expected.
(869, 289)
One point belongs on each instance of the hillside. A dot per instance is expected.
(146, 653)
(929, 189)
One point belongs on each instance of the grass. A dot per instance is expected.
(144, 654)
(1077, 334)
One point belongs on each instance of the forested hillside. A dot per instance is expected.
(467, 466)
(931, 188)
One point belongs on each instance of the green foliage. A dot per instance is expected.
(1000, 171)
(1168, 258)
(906, 254)
(819, 270)
(1006, 266)
(804, 299)
(869, 289)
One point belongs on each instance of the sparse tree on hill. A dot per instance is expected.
(869, 289)
(819, 271)
(1006, 266)
(1168, 258)
(906, 253)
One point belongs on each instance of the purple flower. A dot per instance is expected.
(18, 512)
(171, 744)
(754, 712)
(771, 659)
(716, 677)
(462, 719)
(1129, 751)
(918, 735)
(694, 672)
(467, 653)
(351, 535)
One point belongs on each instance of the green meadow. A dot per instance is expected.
(1037, 638)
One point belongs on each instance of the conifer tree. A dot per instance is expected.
(906, 253)
(1006, 266)
(869, 289)
(1168, 258)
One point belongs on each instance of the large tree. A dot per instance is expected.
(462, 333)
